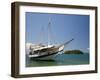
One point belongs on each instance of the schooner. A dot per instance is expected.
(46, 52)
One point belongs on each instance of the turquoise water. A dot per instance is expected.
(63, 59)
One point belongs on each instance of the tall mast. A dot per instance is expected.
(49, 25)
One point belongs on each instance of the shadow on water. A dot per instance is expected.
(42, 60)
(37, 62)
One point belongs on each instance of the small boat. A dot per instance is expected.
(45, 52)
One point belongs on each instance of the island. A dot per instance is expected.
(73, 52)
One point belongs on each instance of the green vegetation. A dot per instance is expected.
(73, 52)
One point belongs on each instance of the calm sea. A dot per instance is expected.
(63, 59)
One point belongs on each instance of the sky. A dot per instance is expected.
(62, 28)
